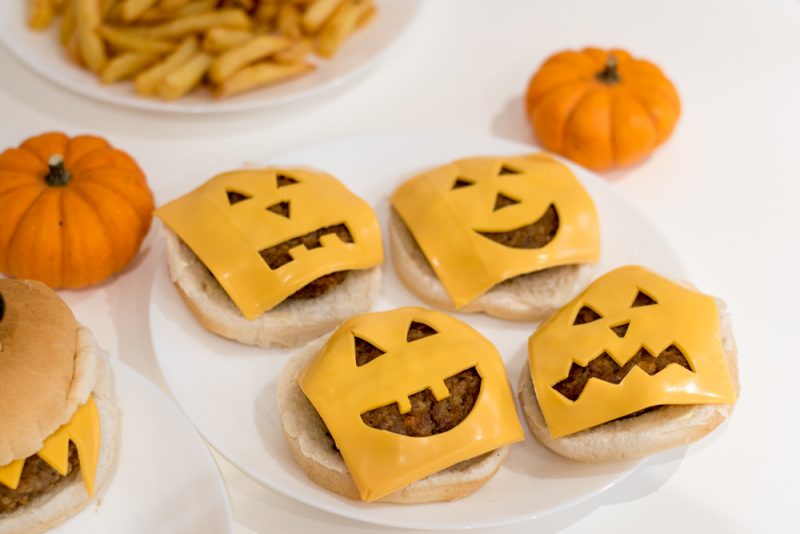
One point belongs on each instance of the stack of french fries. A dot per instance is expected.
(170, 47)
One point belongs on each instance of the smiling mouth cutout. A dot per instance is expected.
(534, 235)
(605, 368)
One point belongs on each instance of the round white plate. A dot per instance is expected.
(228, 389)
(42, 52)
(165, 479)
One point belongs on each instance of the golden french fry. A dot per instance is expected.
(228, 18)
(147, 81)
(172, 5)
(92, 48)
(260, 75)
(131, 9)
(185, 78)
(367, 17)
(289, 21)
(341, 25)
(266, 12)
(254, 49)
(126, 66)
(69, 23)
(133, 42)
(197, 7)
(105, 6)
(298, 51)
(221, 39)
(317, 13)
(40, 13)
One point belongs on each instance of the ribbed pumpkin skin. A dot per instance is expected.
(601, 122)
(76, 234)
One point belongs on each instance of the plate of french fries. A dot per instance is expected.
(202, 56)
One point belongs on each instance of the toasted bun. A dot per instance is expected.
(634, 437)
(313, 449)
(69, 497)
(290, 324)
(46, 368)
(528, 297)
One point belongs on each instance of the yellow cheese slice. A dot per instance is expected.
(228, 235)
(84, 431)
(678, 316)
(448, 208)
(380, 461)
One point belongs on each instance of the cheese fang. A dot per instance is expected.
(83, 431)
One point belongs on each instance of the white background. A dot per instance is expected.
(725, 189)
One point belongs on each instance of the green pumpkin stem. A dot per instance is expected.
(58, 176)
(609, 74)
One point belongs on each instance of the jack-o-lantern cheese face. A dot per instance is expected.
(377, 383)
(631, 341)
(483, 220)
(265, 234)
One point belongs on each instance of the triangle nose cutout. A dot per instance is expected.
(621, 329)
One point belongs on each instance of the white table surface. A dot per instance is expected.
(725, 189)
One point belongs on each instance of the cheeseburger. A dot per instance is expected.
(58, 421)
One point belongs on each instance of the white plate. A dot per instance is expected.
(228, 389)
(165, 479)
(42, 52)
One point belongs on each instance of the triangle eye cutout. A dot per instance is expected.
(234, 197)
(462, 182)
(643, 299)
(283, 180)
(621, 329)
(501, 201)
(505, 169)
(281, 208)
(366, 351)
(586, 315)
(417, 330)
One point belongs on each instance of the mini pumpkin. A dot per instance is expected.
(602, 109)
(73, 211)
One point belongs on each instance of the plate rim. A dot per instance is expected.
(161, 276)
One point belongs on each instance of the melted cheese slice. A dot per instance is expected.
(446, 219)
(380, 461)
(84, 431)
(680, 316)
(228, 236)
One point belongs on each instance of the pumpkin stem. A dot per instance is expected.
(609, 74)
(58, 176)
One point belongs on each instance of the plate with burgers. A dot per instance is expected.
(236, 393)
(83, 436)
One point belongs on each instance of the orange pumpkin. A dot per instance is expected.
(72, 211)
(602, 109)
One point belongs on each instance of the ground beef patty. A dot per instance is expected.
(37, 478)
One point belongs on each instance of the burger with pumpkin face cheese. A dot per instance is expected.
(58, 421)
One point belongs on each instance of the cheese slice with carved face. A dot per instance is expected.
(266, 233)
(632, 340)
(480, 221)
(345, 393)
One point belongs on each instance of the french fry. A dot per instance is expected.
(340, 26)
(40, 13)
(172, 5)
(260, 75)
(131, 9)
(367, 17)
(220, 39)
(234, 59)
(133, 42)
(266, 12)
(289, 21)
(317, 13)
(69, 23)
(295, 53)
(106, 6)
(92, 48)
(126, 66)
(197, 7)
(228, 18)
(185, 78)
(147, 81)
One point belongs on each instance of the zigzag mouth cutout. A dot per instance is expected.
(605, 368)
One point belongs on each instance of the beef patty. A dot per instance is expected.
(37, 478)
